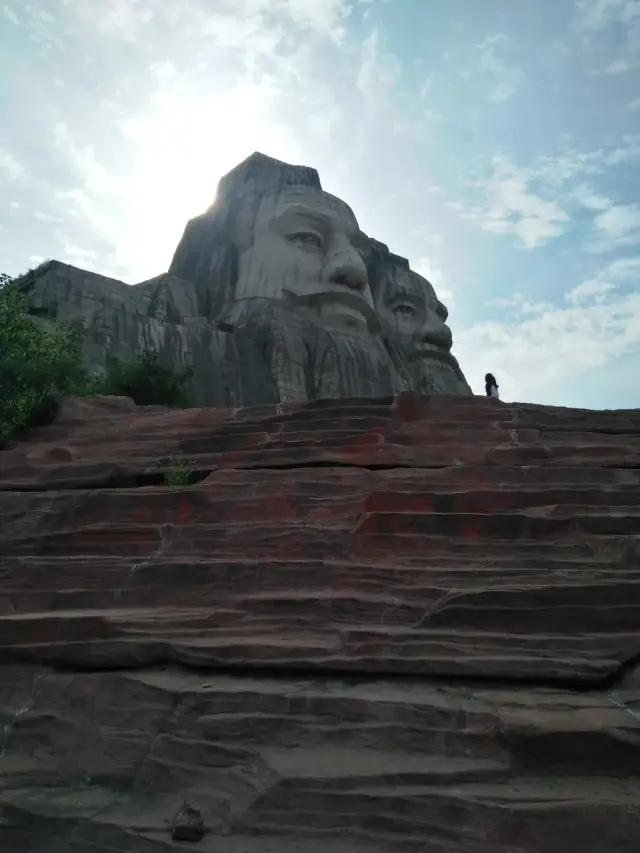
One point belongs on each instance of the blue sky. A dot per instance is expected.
(495, 143)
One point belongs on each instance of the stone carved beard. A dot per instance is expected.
(307, 360)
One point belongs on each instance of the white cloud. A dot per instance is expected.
(570, 163)
(123, 18)
(596, 289)
(10, 166)
(520, 306)
(593, 289)
(586, 196)
(241, 22)
(94, 176)
(506, 77)
(77, 255)
(10, 15)
(630, 150)
(513, 208)
(531, 353)
(618, 66)
(322, 16)
(595, 15)
(377, 70)
(618, 226)
(634, 105)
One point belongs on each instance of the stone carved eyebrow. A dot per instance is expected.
(295, 215)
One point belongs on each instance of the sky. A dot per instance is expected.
(495, 143)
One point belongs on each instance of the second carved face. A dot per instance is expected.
(409, 309)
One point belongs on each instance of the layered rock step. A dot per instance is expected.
(403, 624)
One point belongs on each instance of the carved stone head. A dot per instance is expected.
(407, 305)
(414, 325)
(303, 249)
(279, 260)
(274, 233)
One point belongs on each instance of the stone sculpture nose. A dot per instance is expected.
(437, 333)
(345, 266)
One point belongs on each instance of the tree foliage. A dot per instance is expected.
(42, 361)
(38, 363)
(146, 381)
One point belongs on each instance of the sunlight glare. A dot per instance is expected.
(180, 149)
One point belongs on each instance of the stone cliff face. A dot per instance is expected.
(274, 294)
(410, 624)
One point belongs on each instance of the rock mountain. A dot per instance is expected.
(274, 294)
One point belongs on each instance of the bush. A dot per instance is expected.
(178, 473)
(38, 363)
(41, 362)
(146, 381)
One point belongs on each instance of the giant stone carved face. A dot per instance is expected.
(410, 311)
(304, 250)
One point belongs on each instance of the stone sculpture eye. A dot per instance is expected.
(306, 238)
(404, 312)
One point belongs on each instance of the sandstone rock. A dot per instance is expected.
(408, 625)
(187, 825)
(274, 294)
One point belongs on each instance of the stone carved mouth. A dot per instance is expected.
(354, 313)
(430, 352)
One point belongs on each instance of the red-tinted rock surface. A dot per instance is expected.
(396, 625)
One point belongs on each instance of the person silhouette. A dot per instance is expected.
(491, 386)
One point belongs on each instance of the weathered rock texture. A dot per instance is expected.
(407, 625)
(274, 294)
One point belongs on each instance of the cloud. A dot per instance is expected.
(590, 199)
(571, 163)
(121, 18)
(378, 71)
(634, 105)
(232, 21)
(93, 175)
(514, 208)
(617, 226)
(618, 66)
(595, 15)
(598, 288)
(506, 78)
(326, 17)
(46, 217)
(10, 166)
(10, 15)
(630, 150)
(534, 350)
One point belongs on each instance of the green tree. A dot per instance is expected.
(147, 382)
(39, 362)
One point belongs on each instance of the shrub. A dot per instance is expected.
(146, 381)
(178, 473)
(38, 363)
(42, 361)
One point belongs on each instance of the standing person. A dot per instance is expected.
(491, 386)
